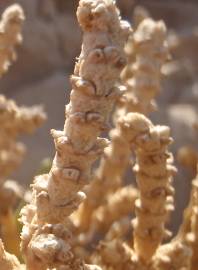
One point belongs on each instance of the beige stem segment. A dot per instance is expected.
(154, 172)
(147, 52)
(150, 52)
(46, 235)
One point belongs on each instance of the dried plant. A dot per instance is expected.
(83, 218)
(142, 77)
(46, 235)
(14, 121)
(10, 35)
(150, 53)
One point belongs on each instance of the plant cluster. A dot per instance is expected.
(84, 218)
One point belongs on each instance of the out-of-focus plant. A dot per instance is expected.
(14, 121)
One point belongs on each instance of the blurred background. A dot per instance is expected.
(51, 42)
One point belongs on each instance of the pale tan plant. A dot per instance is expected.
(139, 14)
(154, 170)
(56, 235)
(10, 35)
(142, 77)
(14, 121)
(148, 48)
(46, 235)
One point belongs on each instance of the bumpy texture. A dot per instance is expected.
(139, 14)
(142, 79)
(148, 48)
(15, 121)
(107, 179)
(154, 171)
(10, 35)
(46, 242)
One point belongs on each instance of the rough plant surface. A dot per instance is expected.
(46, 236)
(59, 45)
(154, 172)
(78, 217)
